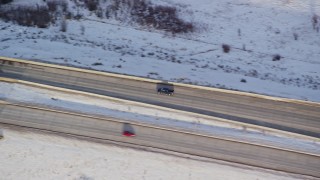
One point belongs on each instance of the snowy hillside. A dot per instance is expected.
(274, 44)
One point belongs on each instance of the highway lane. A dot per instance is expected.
(294, 117)
(168, 139)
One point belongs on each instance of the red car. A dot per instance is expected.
(128, 134)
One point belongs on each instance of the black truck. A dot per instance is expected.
(166, 91)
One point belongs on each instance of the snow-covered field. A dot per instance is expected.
(256, 30)
(35, 155)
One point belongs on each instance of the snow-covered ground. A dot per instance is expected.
(256, 30)
(151, 115)
(35, 155)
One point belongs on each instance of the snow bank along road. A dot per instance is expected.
(168, 139)
(283, 114)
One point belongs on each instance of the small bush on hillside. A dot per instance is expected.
(315, 22)
(160, 17)
(53, 5)
(5, 1)
(99, 12)
(78, 16)
(295, 36)
(28, 16)
(226, 48)
(92, 5)
(276, 57)
(39, 16)
(63, 26)
(144, 13)
(97, 64)
(69, 15)
(163, 17)
(141, 12)
(82, 29)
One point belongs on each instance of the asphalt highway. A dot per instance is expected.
(302, 118)
(168, 139)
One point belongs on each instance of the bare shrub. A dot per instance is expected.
(53, 5)
(161, 17)
(28, 16)
(85, 177)
(69, 15)
(153, 73)
(244, 47)
(99, 12)
(5, 1)
(92, 5)
(276, 57)
(144, 13)
(315, 22)
(64, 5)
(97, 64)
(39, 16)
(82, 29)
(63, 26)
(295, 35)
(108, 13)
(165, 18)
(226, 48)
(239, 32)
(78, 16)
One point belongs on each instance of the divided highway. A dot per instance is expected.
(168, 139)
(298, 117)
